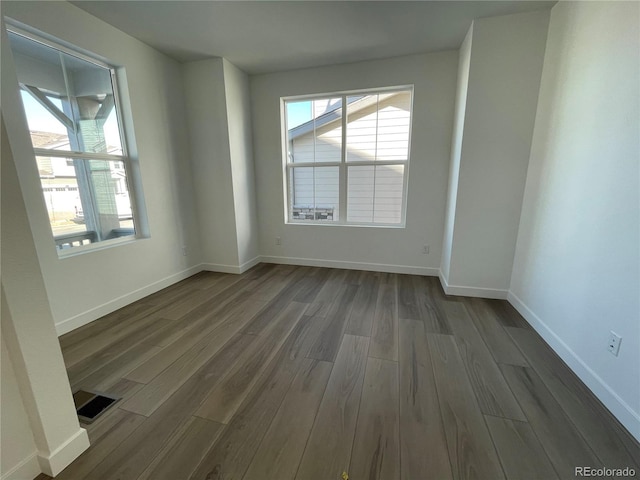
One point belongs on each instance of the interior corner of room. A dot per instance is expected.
(522, 183)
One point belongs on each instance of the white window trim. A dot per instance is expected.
(342, 164)
(134, 182)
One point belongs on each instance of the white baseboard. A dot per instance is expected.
(471, 291)
(372, 267)
(616, 405)
(89, 316)
(250, 264)
(219, 267)
(83, 318)
(53, 463)
(27, 469)
(237, 269)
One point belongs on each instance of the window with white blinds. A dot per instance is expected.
(347, 157)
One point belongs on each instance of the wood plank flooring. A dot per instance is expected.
(303, 373)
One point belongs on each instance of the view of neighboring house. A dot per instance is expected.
(377, 132)
(60, 185)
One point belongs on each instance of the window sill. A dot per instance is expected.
(355, 225)
(94, 247)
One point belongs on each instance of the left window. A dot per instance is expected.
(71, 106)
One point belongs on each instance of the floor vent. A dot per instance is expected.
(90, 405)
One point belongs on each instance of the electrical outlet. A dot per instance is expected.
(425, 250)
(613, 345)
(184, 250)
(278, 241)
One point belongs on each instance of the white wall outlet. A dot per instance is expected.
(425, 249)
(613, 345)
(278, 241)
(184, 250)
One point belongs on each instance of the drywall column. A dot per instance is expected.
(490, 152)
(28, 328)
(462, 87)
(238, 100)
(217, 98)
(576, 272)
(210, 162)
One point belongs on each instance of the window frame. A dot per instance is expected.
(134, 183)
(343, 165)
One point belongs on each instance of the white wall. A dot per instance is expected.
(434, 78)
(464, 60)
(238, 100)
(576, 269)
(504, 77)
(18, 454)
(84, 287)
(212, 175)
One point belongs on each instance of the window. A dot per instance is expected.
(71, 106)
(347, 157)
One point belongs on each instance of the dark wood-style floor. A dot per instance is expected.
(305, 373)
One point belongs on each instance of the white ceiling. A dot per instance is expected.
(267, 36)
